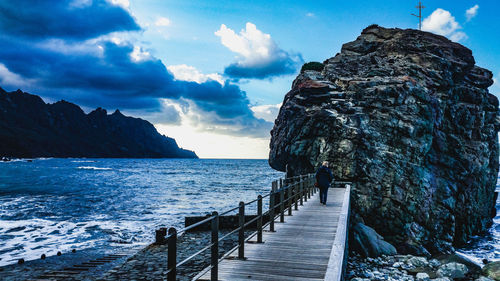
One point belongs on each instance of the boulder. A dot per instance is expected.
(492, 270)
(422, 276)
(417, 262)
(369, 243)
(434, 263)
(452, 270)
(406, 116)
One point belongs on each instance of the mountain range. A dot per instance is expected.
(30, 128)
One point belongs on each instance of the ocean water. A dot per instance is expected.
(486, 246)
(51, 205)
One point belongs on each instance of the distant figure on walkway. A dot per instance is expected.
(323, 177)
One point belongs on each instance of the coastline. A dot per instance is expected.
(149, 262)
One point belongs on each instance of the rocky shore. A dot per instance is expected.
(151, 262)
(415, 268)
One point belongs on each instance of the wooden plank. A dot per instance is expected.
(299, 249)
(290, 273)
(228, 276)
(266, 265)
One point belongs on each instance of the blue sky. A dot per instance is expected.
(209, 73)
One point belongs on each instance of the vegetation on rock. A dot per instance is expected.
(313, 65)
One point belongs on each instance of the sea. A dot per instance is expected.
(51, 205)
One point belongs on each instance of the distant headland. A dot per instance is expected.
(30, 128)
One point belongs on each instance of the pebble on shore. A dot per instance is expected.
(411, 268)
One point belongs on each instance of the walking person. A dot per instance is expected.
(323, 178)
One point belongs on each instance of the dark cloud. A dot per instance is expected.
(111, 78)
(106, 74)
(74, 20)
(283, 64)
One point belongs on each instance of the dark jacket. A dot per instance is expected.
(323, 177)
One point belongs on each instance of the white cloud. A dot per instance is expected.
(71, 48)
(216, 143)
(268, 112)
(311, 15)
(258, 56)
(252, 45)
(12, 79)
(471, 12)
(138, 54)
(162, 21)
(123, 3)
(204, 119)
(457, 36)
(194, 125)
(443, 23)
(190, 73)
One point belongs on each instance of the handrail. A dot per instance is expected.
(337, 261)
(296, 188)
(196, 224)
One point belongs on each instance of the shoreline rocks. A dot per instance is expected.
(414, 268)
(151, 262)
(369, 243)
(492, 270)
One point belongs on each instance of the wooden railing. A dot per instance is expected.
(337, 262)
(286, 194)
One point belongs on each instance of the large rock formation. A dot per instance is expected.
(406, 116)
(31, 128)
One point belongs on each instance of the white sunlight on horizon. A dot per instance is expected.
(212, 145)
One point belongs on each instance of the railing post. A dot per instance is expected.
(296, 195)
(282, 205)
(172, 254)
(308, 189)
(305, 188)
(272, 207)
(290, 199)
(314, 190)
(311, 188)
(259, 220)
(214, 252)
(241, 234)
(302, 191)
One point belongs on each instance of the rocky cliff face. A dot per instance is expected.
(406, 116)
(31, 128)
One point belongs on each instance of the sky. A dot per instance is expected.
(211, 74)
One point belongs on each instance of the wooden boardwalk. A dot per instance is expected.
(299, 249)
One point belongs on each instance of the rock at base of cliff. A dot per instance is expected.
(492, 270)
(369, 243)
(452, 270)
